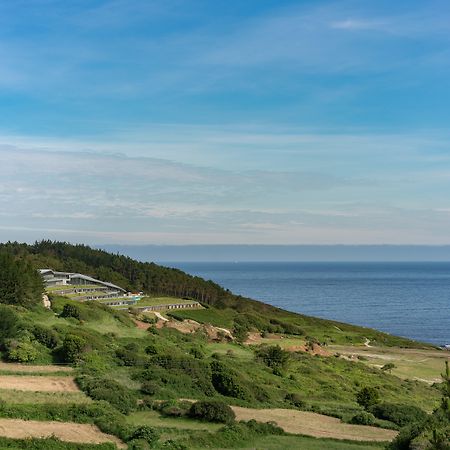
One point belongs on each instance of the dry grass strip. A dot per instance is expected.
(69, 432)
(13, 367)
(312, 424)
(38, 383)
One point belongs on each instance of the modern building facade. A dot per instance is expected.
(54, 279)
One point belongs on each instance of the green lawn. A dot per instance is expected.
(155, 419)
(69, 287)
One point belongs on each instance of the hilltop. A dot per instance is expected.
(147, 381)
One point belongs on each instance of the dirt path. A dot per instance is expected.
(38, 383)
(12, 367)
(312, 424)
(69, 432)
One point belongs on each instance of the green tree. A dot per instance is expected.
(273, 356)
(72, 348)
(71, 311)
(212, 411)
(8, 323)
(367, 397)
(20, 283)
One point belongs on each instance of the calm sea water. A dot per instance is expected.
(406, 299)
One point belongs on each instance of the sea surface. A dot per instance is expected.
(405, 299)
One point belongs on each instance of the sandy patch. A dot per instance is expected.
(69, 432)
(38, 383)
(12, 367)
(312, 424)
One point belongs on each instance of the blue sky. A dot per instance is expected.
(196, 122)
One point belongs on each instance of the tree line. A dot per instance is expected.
(130, 274)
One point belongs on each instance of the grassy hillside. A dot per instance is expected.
(133, 379)
(142, 374)
(226, 309)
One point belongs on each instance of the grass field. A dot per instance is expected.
(423, 365)
(70, 432)
(317, 425)
(155, 419)
(70, 287)
(14, 396)
(308, 443)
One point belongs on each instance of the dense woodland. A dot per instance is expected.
(121, 270)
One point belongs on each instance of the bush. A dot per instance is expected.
(149, 387)
(72, 348)
(367, 397)
(8, 323)
(226, 382)
(273, 356)
(363, 418)
(295, 400)
(147, 434)
(212, 411)
(22, 352)
(401, 415)
(45, 336)
(129, 356)
(71, 311)
(114, 393)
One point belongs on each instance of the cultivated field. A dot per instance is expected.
(317, 425)
(69, 432)
(38, 383)
(12, 367)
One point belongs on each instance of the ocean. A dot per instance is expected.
(405, 299)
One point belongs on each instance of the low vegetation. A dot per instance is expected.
(134, 379)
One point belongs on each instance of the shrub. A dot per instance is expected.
(363, 418)
(72, 348)
(147, 434)
(240, 332)
(149, 387)
(264, 428)
(388, 367)
(399, 414)
(273, 356)
(46, 336)
(138, 444)
(114, 393)
(175, 408)
(8, 322)
(295, 399)
(130, 357)
(367, 397)
(22, 352)
(212, 411)
(70, 310)
(226, 382)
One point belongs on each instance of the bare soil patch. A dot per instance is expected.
(312, 424)
(142, 325)
(69, 432)
(13, 367)
(38, 383)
